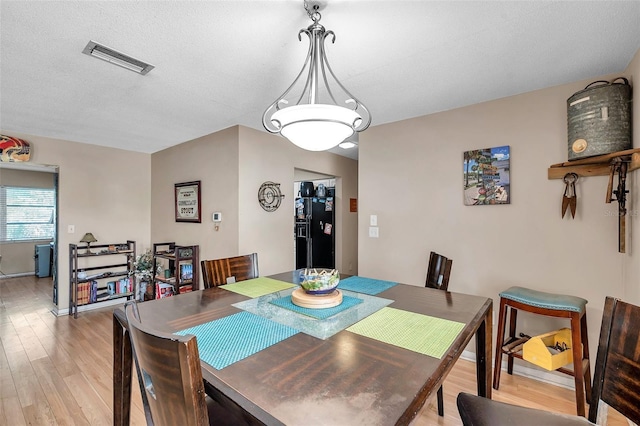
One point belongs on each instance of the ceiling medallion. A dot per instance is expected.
(270, 196)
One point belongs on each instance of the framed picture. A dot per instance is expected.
(188, 202)
(486, 176)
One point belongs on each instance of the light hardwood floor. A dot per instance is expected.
(58, 370)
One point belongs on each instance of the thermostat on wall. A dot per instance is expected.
(217, 217)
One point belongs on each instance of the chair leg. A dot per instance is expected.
(585, 355)
(440, 402)
(499, 343)
(578, 371)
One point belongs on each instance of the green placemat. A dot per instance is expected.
(415, 332)
(257, 287)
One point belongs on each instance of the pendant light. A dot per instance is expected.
(321, 113)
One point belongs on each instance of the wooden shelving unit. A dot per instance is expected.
(181, 262)
(594, 166)
(90, 271)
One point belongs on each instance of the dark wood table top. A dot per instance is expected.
(345, 379)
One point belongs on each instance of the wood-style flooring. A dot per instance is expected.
(58, 370)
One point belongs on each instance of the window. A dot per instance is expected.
(26, 213)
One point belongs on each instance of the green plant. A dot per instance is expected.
(143, 267)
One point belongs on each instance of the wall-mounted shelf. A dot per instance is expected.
(593, 166)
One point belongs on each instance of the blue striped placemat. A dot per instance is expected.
(347, 302)
(230, 339)
(365, 285)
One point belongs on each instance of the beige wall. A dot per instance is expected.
(17, 258)
(213, 160)
(265, 157)
(101, 190)
(232, 164)
(411, 177)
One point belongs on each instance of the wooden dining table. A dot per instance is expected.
(346, 378)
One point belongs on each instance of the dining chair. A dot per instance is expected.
(217, 272)
(438, 273)
(616, 381)
(170, 379)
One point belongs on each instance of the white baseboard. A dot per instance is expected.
(90, 306)
(532, 373)
(20, 274)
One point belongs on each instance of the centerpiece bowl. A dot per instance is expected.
(317, 282)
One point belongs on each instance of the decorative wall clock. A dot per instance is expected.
(270, 196)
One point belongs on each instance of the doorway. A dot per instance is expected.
(29, 222)
(315, 221)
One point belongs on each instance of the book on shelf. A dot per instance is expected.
(163, 290)
(185, 289)
(83, 293)
(103, 296)
(186, 271)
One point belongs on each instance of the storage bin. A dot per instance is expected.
(536, 352)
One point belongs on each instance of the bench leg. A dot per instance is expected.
(585, 355)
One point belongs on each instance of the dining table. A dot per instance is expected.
(375, 359)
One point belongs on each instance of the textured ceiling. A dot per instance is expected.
(221, 63)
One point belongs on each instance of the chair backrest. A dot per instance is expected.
(215, 272)
(171, 375)
(438, 271)
(617, 373)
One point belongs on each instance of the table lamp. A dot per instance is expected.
(88, 238)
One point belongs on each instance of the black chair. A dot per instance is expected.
(616, 381)
(438, 273)
(170, 378)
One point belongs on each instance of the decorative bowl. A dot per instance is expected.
(313, 281)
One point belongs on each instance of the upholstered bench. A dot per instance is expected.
(553, 305)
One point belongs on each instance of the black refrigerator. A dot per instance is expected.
(315, 231)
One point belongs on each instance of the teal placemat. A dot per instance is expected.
(347, 302)
(365, 285)
(257, 287)
(230, 339)
(415, 332)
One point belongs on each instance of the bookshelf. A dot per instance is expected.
(100, 273)
(179, 266)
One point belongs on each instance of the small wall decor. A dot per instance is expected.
(187, 199)
(270, 196)
(486, 176)
(14, 149)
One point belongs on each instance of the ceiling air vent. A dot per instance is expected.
(116, 58)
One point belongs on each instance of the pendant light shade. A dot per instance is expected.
(317, 113)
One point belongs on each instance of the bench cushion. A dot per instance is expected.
(540, 299)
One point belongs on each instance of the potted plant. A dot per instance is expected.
(144, 273)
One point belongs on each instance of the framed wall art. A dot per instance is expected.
(187, 198)
(486, 176)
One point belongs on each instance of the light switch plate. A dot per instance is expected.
(373, 220)
(71, 229)
(373, 231)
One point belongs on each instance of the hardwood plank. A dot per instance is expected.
(93, 407)
(12, 412)
(60, 398)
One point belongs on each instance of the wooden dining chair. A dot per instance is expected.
(216, 272)
(170, 379)
(616, 381)
(438, 273)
